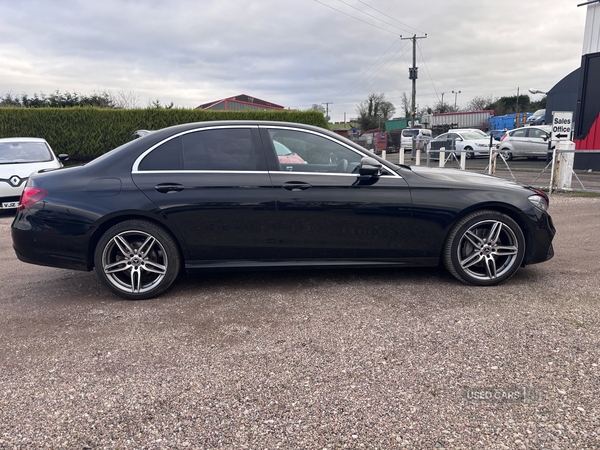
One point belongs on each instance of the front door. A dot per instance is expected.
(325, 211)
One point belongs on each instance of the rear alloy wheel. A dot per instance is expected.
(506, 154)
(137, 259)
(484, 248)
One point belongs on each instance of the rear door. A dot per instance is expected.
(518, 140)
(213, 185)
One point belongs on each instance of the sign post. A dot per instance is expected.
(562, 126)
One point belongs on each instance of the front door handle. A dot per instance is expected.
(296, 186)
(167, 188)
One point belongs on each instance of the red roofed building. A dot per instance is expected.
(240, 102)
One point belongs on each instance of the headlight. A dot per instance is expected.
(481, 145)
(539, 202)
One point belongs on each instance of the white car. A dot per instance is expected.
(19, 158)
(473, 142)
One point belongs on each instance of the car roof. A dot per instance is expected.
(22, 139)
(462, 130)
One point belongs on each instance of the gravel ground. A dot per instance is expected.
(308, 359)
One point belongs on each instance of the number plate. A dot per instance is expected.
(9, 205)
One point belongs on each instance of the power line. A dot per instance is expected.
(368, 68)
(395, 20)
(428, 74)
(360, 20)
(378, 72)
(370, 15)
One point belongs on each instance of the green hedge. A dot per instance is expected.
(85, 133)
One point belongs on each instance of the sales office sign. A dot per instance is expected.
(562, 125)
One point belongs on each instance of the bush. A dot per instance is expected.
(86, 133)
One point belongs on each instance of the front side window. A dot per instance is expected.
(537, 133)
(306, 152)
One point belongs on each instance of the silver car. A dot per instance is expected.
(528, 142)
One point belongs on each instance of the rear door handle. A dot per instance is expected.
(296, 186)
(167, 188)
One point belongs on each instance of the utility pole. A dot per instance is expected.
(413, 74)
(327, 109)
(455, 97)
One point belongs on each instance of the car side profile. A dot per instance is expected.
(472, 142)
(215, 196)
(525, 142)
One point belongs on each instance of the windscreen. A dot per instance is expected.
(410, 133)
(24, 152)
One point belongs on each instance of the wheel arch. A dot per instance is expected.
(512, 212)
(111, 221)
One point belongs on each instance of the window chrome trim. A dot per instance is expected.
(271, 172)
(135, 169)
(141, 172)
(302, 130)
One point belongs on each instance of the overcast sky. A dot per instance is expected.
(291, 52)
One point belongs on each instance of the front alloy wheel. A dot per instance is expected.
(137, 260)
(484, 248)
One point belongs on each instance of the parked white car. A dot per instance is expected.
(19, 158)
(421, 135)
(529, 142)
(474, 143)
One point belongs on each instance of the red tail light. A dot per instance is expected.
(503, 136)
(30, 196)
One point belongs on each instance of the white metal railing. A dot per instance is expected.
(560, 165)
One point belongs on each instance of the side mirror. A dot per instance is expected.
(545, 137)
(369, 167)
(63, 157)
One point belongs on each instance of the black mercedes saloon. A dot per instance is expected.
(255, 194)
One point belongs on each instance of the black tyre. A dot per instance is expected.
(470, 153)
(484, 248)
(137, 259)
(506, 154)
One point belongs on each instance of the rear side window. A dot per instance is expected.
(225, 149)
(519, 133)
(220, 149)
(166, 156)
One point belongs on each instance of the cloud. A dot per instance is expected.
(294, 53)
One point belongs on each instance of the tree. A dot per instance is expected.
(406, 105)
(374, 112)
(480, 103)
(103, 99)
(9, 101)
(316, 107)
(320, 108)
(443, 107)
(509, 105)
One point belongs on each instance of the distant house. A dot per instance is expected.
(240, 102)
